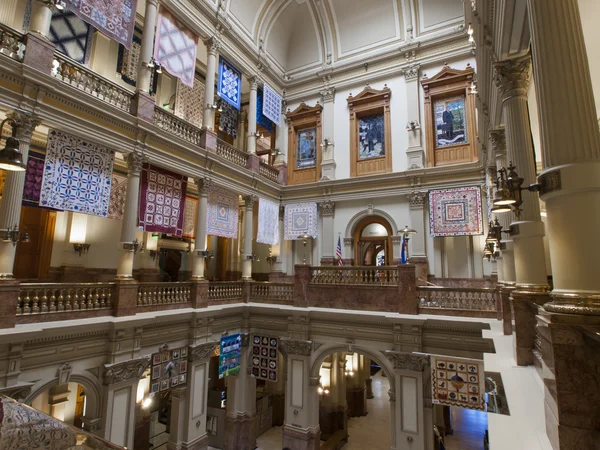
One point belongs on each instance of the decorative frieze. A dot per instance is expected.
(125, 371)
(201, 352)
(296, 347)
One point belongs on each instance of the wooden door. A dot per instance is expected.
(32, 260)
(222, 245)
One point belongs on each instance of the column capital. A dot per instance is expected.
(296, 347)
(125, 371)
(411, 73)
(284, 105)
(152, 2)
(202, 352)
(281, 212)
(498, 139)
(212, 45)
(204, 184)
(417, 198)
(249, 200)
(26, 125)
(392, 395)
(408, 361)
(254, 81)
(134, 160)
(512, 77)
(328, 94)
(327, 208)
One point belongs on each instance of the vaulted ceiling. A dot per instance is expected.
(299, 36)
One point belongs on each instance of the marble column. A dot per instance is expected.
(248, 237)
(10, 206)
(212, 49)
(129, 224)
(280, 162)
(328, 155)
(415, 153)
(527, 231)
(327, 240)
(147, 47)
(253, 81)
(570, 187)
(203, 185)
(40, 49)
(418, 250)
(41, 16)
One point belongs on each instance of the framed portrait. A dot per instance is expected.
(166, 356)
(156, 359)
(164, 385)
(155, 387)
(183, 367)
(175, 381)
(184, 351)
(450, 121)
(371, 136)
(306, 151)
(176, 354)
(156, 372)
(182, 378)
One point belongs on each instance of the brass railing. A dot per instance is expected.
(464, 299)
(280, 292)
(163, 293)
(43, 298)
(175, 125)
(367, 275)
(268, 171)
(226, 290)
(11, 43)
(231, 153)
(86, 80)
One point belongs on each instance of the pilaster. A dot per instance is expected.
(327, 239)
(414, 153)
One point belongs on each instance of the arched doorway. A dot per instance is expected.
(66, 402)
(373, 242)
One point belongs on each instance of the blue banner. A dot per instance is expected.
(230, 357)
(230, 83)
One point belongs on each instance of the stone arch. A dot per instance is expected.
(356, 219)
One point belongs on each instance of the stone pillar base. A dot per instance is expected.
(9, 297)
(253, 163)
(200, 294)
(301, 439)
(39, 53)
(283, 173)
(142, 106)
(525, 305)
(421, 269)
(240, 432)
(504, 293)
(125, 299)
(208, 140)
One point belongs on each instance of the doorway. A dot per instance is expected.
(32, 259)
(373, 242)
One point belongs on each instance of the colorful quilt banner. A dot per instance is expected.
(118, 192)
(455, 212)
(272, 105)
(228, 119)
(458, 382)
(114, 18)
(268, 222)
(230, 83)
(162, 197)
(189, 102)
(300, 219)
(77, 175)
(261, 119)
(265, 353)
(222, 214)
(230, 355)
(169, 370)
(128, 61)
(33, 178)
(175, 48)
(190, 213)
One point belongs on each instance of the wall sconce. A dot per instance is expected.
(321, 390)
(256, 134)
(413, 125)
(11, 157)
(277, 153)
(271, 260)
(135, 246)
(81, 249)
(305, 238)
(214, 106)
(405, 233)
(507, 196)
(253, 257)
(152, 64)
(13, 235)
(59, 4)
(207, 254)
(326, 143)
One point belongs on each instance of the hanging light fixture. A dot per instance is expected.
(11, 157)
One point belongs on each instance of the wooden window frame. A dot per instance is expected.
(370, 101)
(449, 83)
(303, 117)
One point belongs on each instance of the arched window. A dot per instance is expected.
(373, 242)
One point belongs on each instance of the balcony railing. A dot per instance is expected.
(163, 293)
(11, 43)
(444, 300)
(86, 80)
(226, 290)
(175, 125)
(231, 153)
(272, 292)
(45, 298)
(268, 171)
(381, 275)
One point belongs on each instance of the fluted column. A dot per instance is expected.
(248, 237)
(41, 16)
(212, 48)
(252, 115)
(203, 185)
(143, 78)
(130, 214)
(418, 252)
(10, 206)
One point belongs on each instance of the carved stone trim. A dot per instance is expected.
(125, 371)
(201, 352)
(411, 73)
(26, 125)
(296, 347)
(64, 373)
(134, 163)
(327, 95)
(18, 392)
(249, 201)
(212, 45)
(203, 184)
(408, 361)
(314, 381)
(327, 208)
(512, 77)
(498, 138)
(417, 199)
(550, 182)
(392, 395)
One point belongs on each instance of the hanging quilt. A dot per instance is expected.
(300, 219)
(268, 222)
(34, 175)
(189, 102)
(114, 18)
(261, 119)
(189, 217)
(71, 35)
(222, 214)
(458, 382)
(128, 60)
(228, 119)
(77, 175)
(265, 353)
(455, 212)
(162, 197)
(175, 48)
(118, 193)
(272, 105)
(230, 83)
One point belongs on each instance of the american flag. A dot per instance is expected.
(338, 252)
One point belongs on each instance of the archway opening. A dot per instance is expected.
(373, 242)
(66, 402)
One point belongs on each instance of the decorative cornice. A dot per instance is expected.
(327, 208)
(125, 371)
(201, 352)
(296, 347)
(512, 77)
(408, 361)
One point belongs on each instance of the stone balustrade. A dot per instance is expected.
(369, 275)
(268, 171)
(232, 154)
(11, 43)
(472, 302)
(225, 291)
(279, 293)
(163, 293)
(48, 298)
(170, 123)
